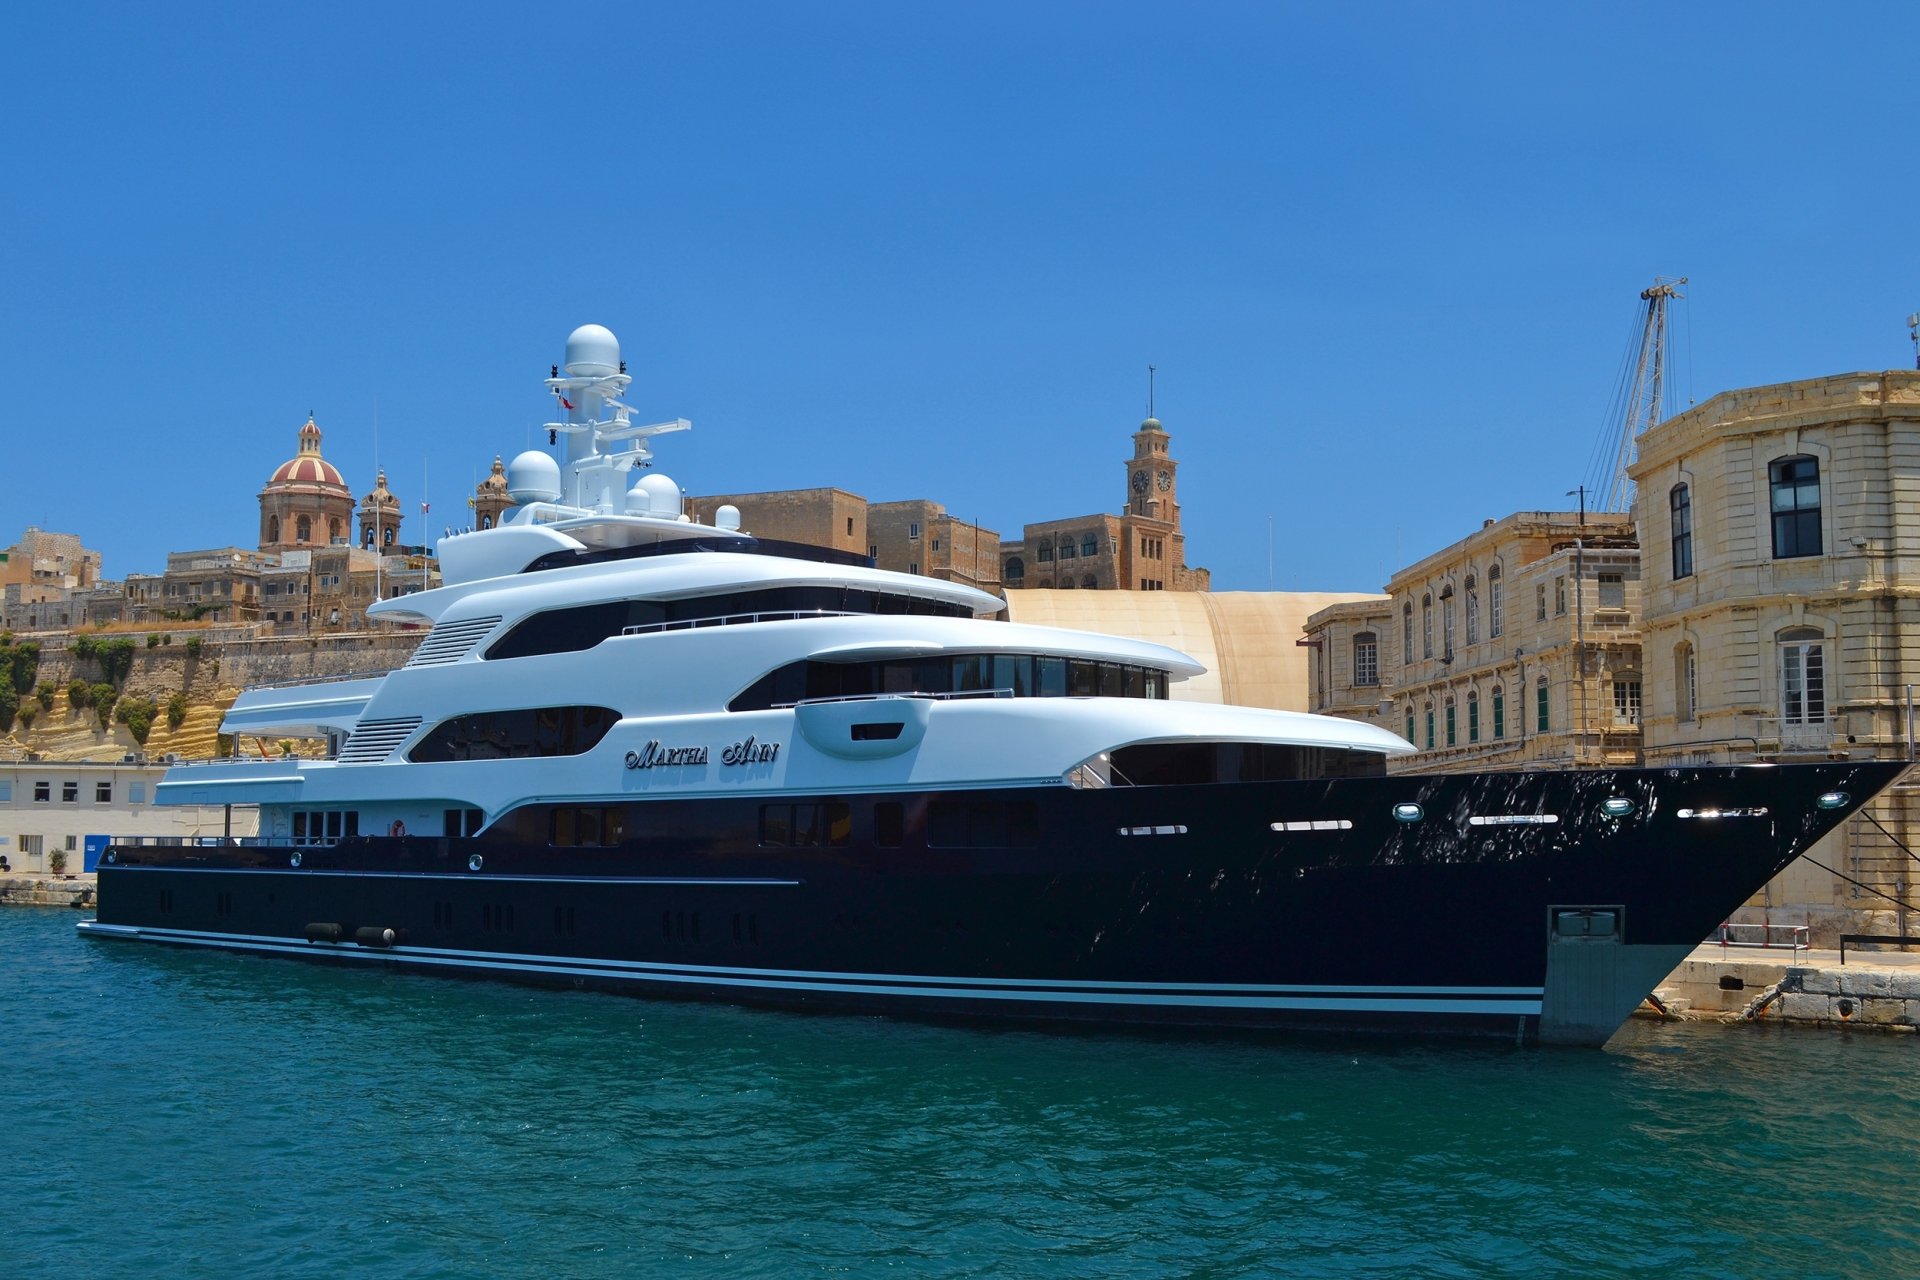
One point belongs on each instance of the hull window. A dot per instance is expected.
(805, 826)
(983, 824)
(588, 825)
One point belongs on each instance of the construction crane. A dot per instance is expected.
(1639, 400)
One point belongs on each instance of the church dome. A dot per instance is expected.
(381, 495)
(496, 481)
(307, 466)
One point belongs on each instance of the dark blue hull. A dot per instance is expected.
(1514, 904)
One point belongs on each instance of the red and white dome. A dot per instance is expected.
(308, 467)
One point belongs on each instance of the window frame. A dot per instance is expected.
(1798, 521)
(1680, 529)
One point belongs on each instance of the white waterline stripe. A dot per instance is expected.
(805, 978)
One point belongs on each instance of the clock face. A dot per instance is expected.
(1139, 482)
(1166, 481)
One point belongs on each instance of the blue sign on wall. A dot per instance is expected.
(91, 851)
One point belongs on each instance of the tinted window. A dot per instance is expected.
(1018, 675)
(516, 734)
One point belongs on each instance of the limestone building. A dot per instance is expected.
(818, 517)
(1518, 645)
(306, 502)
(1781, 528)
(43, 564)
(1141, 549)
(918, 536)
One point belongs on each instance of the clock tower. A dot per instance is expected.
(1152, 482)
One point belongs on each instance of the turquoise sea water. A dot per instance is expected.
(183, 1114)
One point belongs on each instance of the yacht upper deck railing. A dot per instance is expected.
(733, 619)
(952, 695)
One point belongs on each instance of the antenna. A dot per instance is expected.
(1913, 328)
(1150, 372)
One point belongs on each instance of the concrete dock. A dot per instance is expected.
(1875, 987)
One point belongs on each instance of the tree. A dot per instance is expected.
(79, 694)
(176, 711)
(137, 714)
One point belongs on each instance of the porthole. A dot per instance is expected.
(475, 862)
(1833, 800)
(1407, 811)
(1616, 806)
(294, 861)
(110, 856)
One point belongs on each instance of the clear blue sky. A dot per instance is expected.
(1387, 259)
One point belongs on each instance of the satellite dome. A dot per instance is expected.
(592, 352)
(533, 477)
(727, 517)
(663, 495)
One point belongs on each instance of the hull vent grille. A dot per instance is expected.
(374, 740)
(451, 641)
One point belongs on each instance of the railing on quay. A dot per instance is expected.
(1765, 936)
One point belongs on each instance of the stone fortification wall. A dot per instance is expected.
(237, 663)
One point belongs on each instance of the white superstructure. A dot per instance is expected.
(596, 609)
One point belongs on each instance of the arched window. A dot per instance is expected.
(1016, 569)
(1795, 489)
(366, 537)
(1090, 546)
(1496, 601)
(486, 522)
(1803, 677)
(1446, 621)
(1066, 582)
(1429, 726)
(303, 530)
(1680, 525)
(1409, 722)
(1406, 642)
(1473, 715)
(1499, 700)
(1089, 582)
(273, 528)
(1473, 610)
(1450, 724)
(1542, 703)
(1046, 553)
(1686, 692)
(333, 530)
(1366, 658)
(1426, 626)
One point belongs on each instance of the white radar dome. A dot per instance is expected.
(663, 495)
(533, 477)
(592, 352)
(727, 517)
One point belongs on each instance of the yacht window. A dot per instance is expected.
(1177, 763)
(806, 826)
(515, 734)
(587, 825)
(581, 627)
(889, 824)
(980, 675)
(983, 824)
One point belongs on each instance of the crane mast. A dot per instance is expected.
(1645, 391)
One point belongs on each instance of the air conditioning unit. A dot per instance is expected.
(128, 758)
(172, 757)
